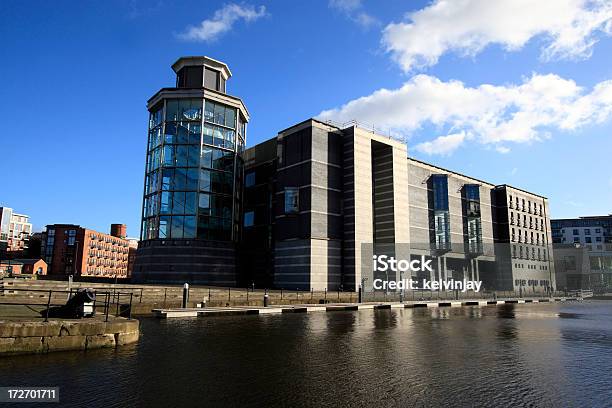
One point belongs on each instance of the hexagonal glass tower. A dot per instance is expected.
(191, 217)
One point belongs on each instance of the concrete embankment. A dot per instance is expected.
(32, 337)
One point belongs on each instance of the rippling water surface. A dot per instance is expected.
(546, 355)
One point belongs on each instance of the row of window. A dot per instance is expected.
(587, 231)
(188, 227)
(519, 204)
(190, 156)
(98, 271)
(531, 282)
(539, 238)
(533, 222)
(187, 203)
(520, 254)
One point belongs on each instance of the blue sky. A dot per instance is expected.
(505, 97)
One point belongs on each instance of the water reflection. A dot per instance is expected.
(510, 355)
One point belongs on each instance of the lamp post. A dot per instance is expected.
(362, 289)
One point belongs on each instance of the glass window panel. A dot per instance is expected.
(211, 79)
(218, 136)
(192, 179)
(203, 227)
(249, 218)
(190, 109)
(189, 227)
(180, 179)
(156, 157)
(171, 110)
(191, 202)
(153, 180)
(168, 155)
(167, 179)
(209, 111)
(205, 184)
(166, 202)
(219, 114)
(193, 155)
(182, 132)
(181, 155)
(204, 204)
(222, 182)
(222, 206)
(164, 227)
(170, 133)
(249, 179)
(207, 134)
(178, 202)
(230, 117)
(222, 160)
(177, 227)
(195, 129)
(292, 200)
(206, 158)
(229, 139)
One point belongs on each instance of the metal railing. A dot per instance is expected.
(110, 299)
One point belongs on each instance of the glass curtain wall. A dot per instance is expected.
(441, 216)
(472, 219)
(191, 162)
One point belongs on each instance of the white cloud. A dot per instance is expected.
(502, 149)
(493, 115)
(346, 6)
(222, 22)
(568, 28)
(443, 145)
(353, 10)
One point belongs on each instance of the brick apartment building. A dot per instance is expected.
(73, 250)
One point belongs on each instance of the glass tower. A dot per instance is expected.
(194, 167)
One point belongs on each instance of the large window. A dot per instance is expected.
(441, 217)
(292, 200)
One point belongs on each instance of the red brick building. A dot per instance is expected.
(73, 250)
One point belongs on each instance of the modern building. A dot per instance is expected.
(74, 250)
(318, 196)
(317, 201)
(15, 230)
(192, 215)
(583, 252)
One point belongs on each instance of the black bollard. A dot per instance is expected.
(266, 299)
(185, 295)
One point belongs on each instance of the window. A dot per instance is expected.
(597, 239)
(292, 200)
(576, 232)
(249, 218)
(249, 179)
(211, 79)
(588, 240)
(598, 230)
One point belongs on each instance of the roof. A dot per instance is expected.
(27, 261)
(202, 60)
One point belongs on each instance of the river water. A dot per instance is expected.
(542, 355)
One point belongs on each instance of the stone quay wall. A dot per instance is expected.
(33, 337)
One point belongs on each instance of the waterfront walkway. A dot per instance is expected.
(330, 307)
